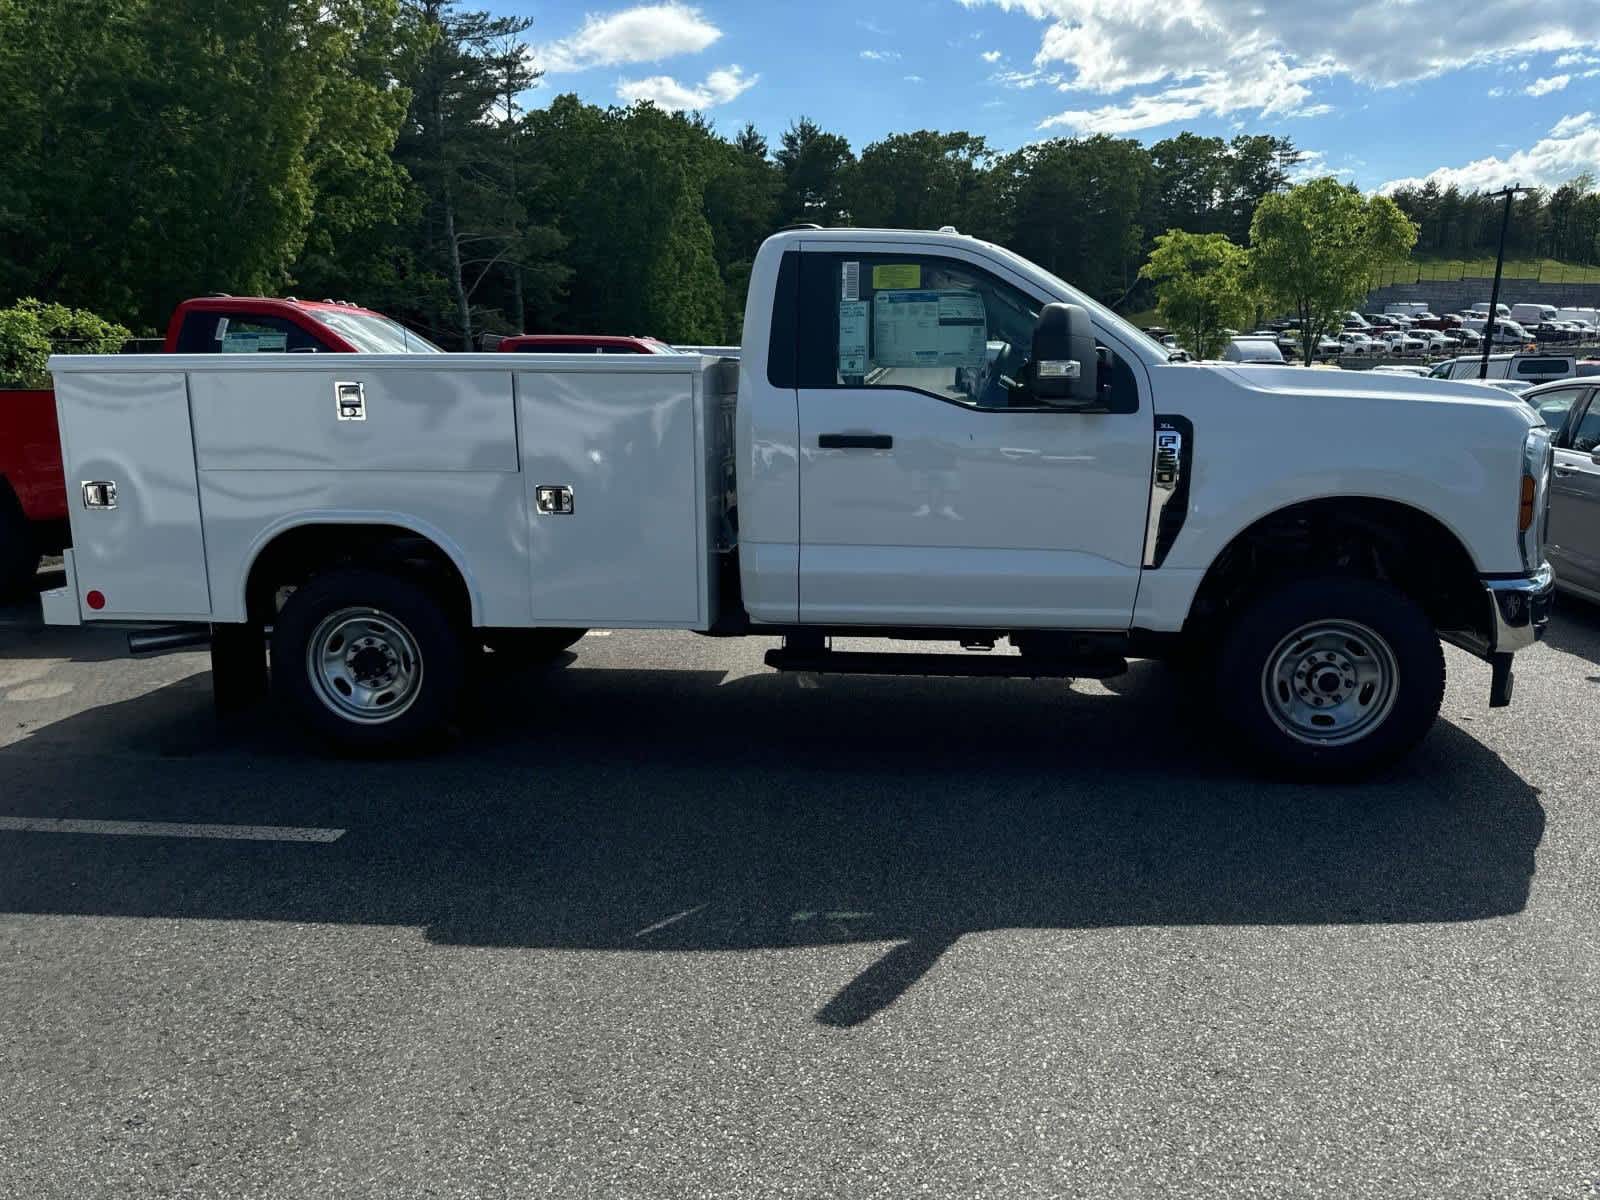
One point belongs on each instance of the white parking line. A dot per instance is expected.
(673, 919)
(244, 833)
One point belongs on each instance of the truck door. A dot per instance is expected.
(132, 494)
(934, 489)
(1573, 540)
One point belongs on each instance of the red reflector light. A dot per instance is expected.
(1525, 509)
(95, 600)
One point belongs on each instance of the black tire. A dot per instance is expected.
(19, 549)
(1363, 630)
(422, 647)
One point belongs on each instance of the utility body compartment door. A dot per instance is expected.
(132, 495)
(616, 464)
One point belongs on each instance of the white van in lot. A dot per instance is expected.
(1533, 314)
(1529, 368)
(1589, 318)
(925, 437)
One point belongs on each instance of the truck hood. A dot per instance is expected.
(1302, 383)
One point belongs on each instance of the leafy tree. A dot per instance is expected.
(31, 331)
(1072, 206)
(149, 151)
(813, 166)
(920, 180)
(475, 228)
(742, 209)
(682, 291)
(1202, 281)
(1315, 248)
(1191, 181)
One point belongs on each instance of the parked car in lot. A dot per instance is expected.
(1571, 409)
(33, 490)
(1524, 367)
(1435, 341)
(865, 468)
(1359, 344)
(1253, 350)
(1506, 332)
(1405, 344)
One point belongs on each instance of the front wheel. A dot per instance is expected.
(368, 660)
(1327, 677)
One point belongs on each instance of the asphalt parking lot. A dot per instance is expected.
(663, 923)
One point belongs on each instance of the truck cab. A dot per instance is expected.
(924, 436)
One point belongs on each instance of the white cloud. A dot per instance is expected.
(1497, 92)
(1568, 126)
(990, 56)
(1577, 60)
(1543, 87)
(1184, 59)
(913, 78)
(880, 55)
(719, 87)
(1549, 162)
(646, 33)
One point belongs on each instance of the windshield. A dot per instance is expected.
(372, 334)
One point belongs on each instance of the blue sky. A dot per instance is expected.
(1376, 91)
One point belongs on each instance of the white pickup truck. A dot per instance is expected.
(925, 436)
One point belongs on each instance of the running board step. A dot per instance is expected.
(1007, 666)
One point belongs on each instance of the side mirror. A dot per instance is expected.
(1066, 370)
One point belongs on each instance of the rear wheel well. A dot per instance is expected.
(1357, 536)
(297, 554)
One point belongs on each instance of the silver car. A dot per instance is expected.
(1571, 407)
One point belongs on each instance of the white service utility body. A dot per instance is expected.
(924, 436)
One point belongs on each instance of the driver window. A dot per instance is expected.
(1585, 437)
(934, 325)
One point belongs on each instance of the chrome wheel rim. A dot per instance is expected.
(364, 665)
(1330, 683)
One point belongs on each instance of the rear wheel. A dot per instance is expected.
(368, 660)
(1330, 676)
(19, 551)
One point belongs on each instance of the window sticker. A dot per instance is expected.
(896, 275)
(852, 337)
(850, 281)
(254, 343)
(917, 328)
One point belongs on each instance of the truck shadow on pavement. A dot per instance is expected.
(662, 810)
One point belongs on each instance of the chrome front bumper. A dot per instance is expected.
(1519, 609)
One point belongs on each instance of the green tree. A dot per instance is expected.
(31, 331)
(460, 143)
(149, 151)
(682, 291)
(1072, 206)
(1314, 249)
(813, 164)
(1202, 284)
(920, 180)
(742, 209)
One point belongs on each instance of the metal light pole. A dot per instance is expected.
(1494, 292)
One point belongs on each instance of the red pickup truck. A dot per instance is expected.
(33, 494)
